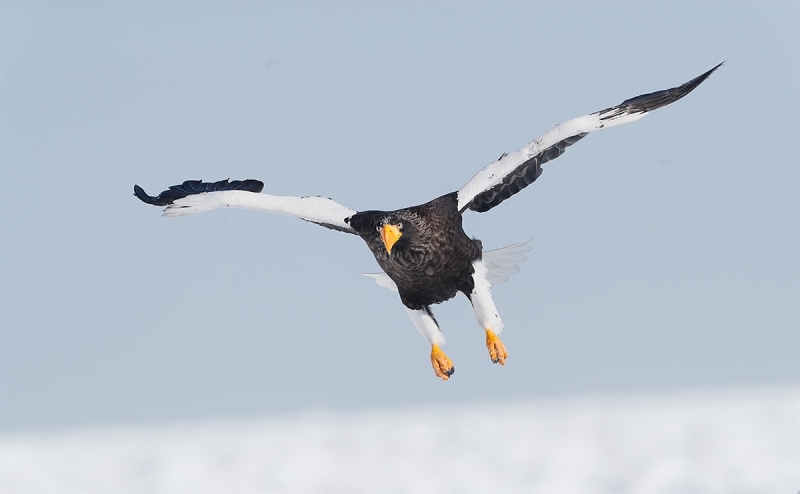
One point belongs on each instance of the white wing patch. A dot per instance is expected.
(500, 265)
(311, 208)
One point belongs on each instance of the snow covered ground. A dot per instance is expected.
(725, 441)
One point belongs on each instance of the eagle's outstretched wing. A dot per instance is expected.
(513, 172)
(195, 196)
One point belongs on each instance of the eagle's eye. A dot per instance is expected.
(400, 225)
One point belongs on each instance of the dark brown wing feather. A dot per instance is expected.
(524, 175)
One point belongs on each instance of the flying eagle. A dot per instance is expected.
(423, 250)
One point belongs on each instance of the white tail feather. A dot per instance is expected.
(500, 265)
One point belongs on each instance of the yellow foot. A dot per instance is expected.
(497, 351)
(442, 366)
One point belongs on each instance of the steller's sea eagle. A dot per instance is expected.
(423, 250)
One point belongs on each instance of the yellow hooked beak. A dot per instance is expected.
(390, 234)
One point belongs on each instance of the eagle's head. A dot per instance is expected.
(392, 231)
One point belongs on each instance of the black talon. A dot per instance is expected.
(450, 371)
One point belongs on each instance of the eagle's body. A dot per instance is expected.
(432, 263)
(424, 252)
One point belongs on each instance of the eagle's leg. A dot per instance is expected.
(486, 314)
(426, 324)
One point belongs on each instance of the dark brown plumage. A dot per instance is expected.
(432, 260)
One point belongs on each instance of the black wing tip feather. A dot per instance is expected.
(653, 101)
(190, 187)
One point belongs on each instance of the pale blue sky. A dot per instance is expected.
(665, 251)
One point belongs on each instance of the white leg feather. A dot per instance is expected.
(426, 325)
(482, 302)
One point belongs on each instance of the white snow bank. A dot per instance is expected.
(733, 441)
